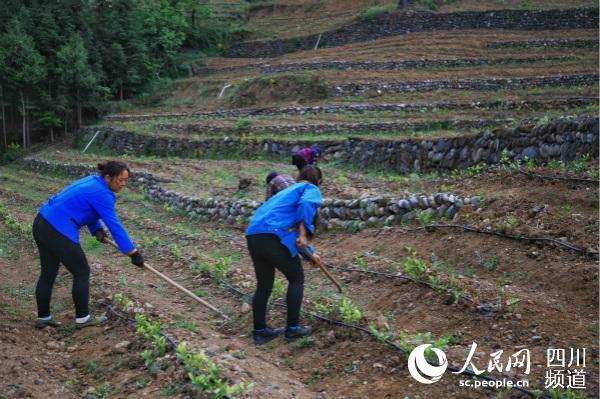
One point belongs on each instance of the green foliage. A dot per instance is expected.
(343, 308)
(414, 266)
(429, 4)
(21, 229)
(408, 343)
(566, 394)
(266, 89)
(489, 264)
(373, 12)
(278, 287)
(425, 218)
(243, 124)
(360, 262)
(62, 58)
(382, 336)
(349, 313)
(204, 375)
(305, 342)
(12, 153)
(184, 324)
(103, 391)
(218, 269)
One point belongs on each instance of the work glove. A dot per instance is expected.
(100, 235)
(137, 259)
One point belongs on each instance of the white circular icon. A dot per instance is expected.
(421, 370)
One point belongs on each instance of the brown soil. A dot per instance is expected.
(293, 18)
(428, 45)
(555, 291)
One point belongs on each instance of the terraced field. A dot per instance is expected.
(461, 186)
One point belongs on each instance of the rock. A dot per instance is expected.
(272, 387)
(52, 345)
(122, 347)
(530, 153)
(404, 204)
(331, 338)
(245, 308)
(89, 391)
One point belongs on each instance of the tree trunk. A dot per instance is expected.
(28, 121)
(24, 127)
(51, 135)
(3, 118)
(79, 107)
(121, 92)
(66, 115)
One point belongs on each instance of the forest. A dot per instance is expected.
(62, 61)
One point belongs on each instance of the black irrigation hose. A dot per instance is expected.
(386, 341)
(172, 343)
(513, 237)
(485, 308)
(562, 178)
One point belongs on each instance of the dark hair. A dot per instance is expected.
(311, 173)
(271, 176)
(112, 168)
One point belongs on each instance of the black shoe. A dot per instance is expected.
(265, 335)
(41, 323)
(92, 321)
(292, 333)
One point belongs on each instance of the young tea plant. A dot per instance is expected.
(414, 266)
(348, 311)
(204, 374)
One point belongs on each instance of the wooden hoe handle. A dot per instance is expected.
(176, 285)
(323, 268)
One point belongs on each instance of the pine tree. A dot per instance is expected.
(75, 75)
(23, 67)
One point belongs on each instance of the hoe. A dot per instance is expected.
(176, 285)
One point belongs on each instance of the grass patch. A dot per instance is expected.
(269, 89)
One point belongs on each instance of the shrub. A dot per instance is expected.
(414, 266)
(373, 13)
(243, 124)
(12, 153)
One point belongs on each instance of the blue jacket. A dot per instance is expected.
(82, 204)
(282, 213)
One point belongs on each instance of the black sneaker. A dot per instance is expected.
(41, 323)
(265, 335)
(292, 333)
(92, 321)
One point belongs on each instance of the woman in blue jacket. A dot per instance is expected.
(56, 233)
(278, 231)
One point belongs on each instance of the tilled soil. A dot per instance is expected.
(541, 297)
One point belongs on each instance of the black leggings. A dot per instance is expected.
(268, 254)
(55, 248)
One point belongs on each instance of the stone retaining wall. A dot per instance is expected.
(400, 23)
(341, 108)
(358, 88)
(569, 43)
(563, 139)
(377, 66)
(353, 214)
(76, 170)
(336, 128)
